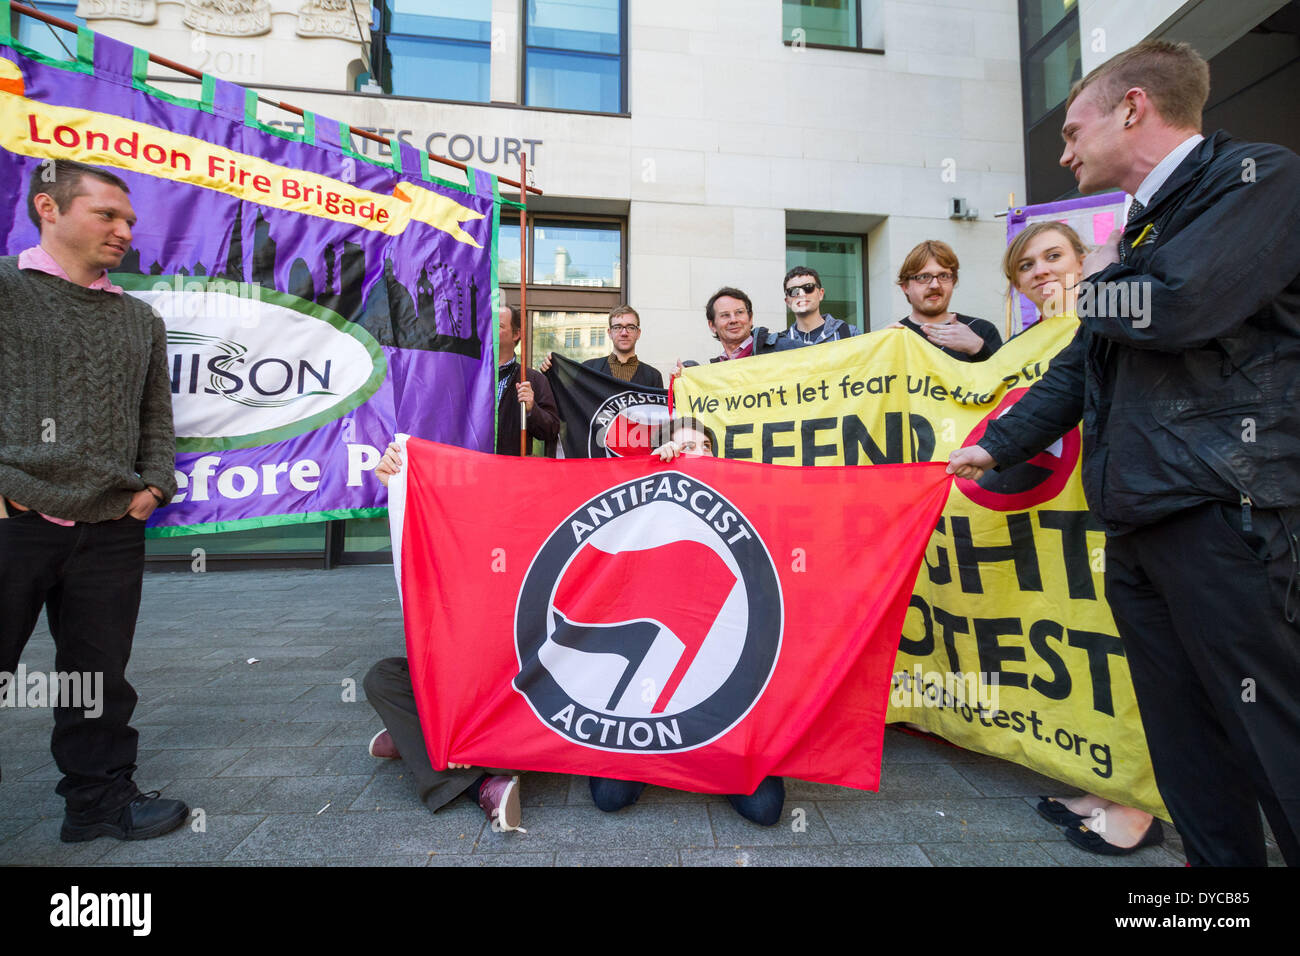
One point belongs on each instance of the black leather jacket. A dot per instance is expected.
(1194, 395)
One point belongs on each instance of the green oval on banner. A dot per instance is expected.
(250, 366)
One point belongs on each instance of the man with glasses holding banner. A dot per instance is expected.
(928, 277)
(622, 363)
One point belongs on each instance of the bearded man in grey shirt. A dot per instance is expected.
(86, 454)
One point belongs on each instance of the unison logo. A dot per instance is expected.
(268, 382)
(250, 366)
(650, 621)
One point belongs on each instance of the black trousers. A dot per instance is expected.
(88, 578)
(1201, 602)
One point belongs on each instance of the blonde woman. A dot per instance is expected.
(1045, 263)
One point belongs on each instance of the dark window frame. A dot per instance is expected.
(856, 48)
(1054, 37)
(1022, 14)
(558, 219)
(525, 47)
(573, 298)
(862, 256)
(17, 20)
(380, 57)
(1051, 39)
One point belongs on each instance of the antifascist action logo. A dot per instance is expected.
(626, 425)
(650, 620)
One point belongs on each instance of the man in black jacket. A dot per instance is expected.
(1186, 374)
(622, 363)
(533, 391)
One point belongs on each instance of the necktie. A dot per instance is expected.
(1135, 209)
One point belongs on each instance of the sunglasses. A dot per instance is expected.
(806, 289)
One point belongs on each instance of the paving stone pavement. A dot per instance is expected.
(276, 759)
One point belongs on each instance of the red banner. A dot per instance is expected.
(699, 625)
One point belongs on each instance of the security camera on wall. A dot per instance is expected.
(957, 209)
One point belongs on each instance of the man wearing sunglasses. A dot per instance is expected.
(803, 297)
(928, 277)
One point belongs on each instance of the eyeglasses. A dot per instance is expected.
(724, 316)
(625, 328)
(925, 278)
(806, 289)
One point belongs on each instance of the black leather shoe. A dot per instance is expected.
(145, 817)
(1091, 841)
(1054, 811)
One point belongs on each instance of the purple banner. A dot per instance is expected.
(317, 301)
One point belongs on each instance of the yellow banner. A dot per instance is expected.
(46, 131)
(1009, 647)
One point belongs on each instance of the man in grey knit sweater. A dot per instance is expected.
(86, 455)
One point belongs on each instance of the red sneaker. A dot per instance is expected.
(382, 746)
(499, 798)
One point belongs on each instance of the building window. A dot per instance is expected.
(1039, 17)
(578, 254)
(434, 49)
(844, 24)
(570, 253)
(840, 262)
(575, 55)
(553, 330)
(1051, 61)
(1051, 68)
(43, 38)
(575, 278)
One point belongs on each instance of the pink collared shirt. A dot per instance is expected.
(746, 348)
(38, 260)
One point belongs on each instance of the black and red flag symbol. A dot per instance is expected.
(1029, 484)
(603, 417)
(632, 619)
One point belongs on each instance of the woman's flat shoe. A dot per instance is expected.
(1091, 841)
(1054, 811)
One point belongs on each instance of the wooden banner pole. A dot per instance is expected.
(523, 299)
